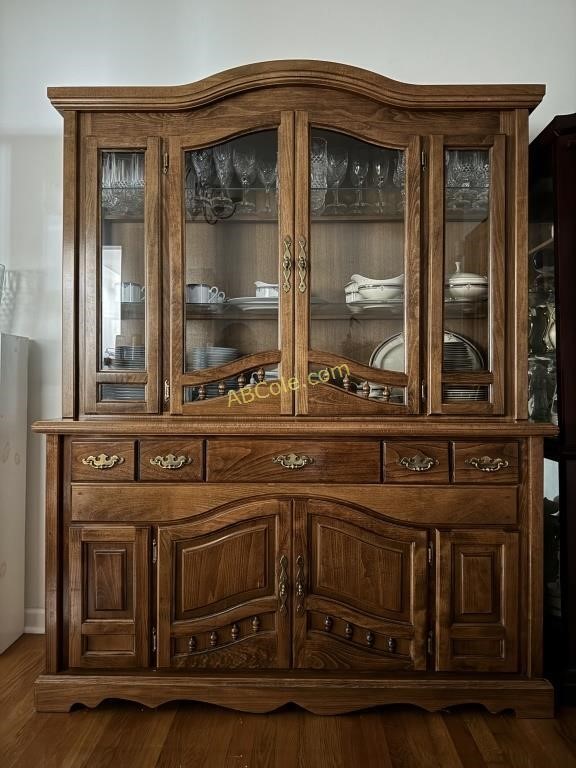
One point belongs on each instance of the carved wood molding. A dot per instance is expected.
(272, 74)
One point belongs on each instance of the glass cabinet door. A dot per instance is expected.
(231, 310)
(121, 300)
(467, 287)
(357, 273)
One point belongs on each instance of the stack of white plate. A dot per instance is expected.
(131, 358)
(199, 358)
(122, 392)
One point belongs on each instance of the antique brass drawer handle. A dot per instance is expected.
(487, 464)
(170, 461)
(418, 463)
(102, 461)
(302, 264)
(293, 460)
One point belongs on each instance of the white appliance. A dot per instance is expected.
(13, 439)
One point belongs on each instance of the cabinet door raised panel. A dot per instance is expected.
(360, 590)
(477, 601)
(108, 589)
(223, 589)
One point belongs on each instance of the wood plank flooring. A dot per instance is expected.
(125, 735)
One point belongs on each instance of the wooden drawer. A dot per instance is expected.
(103, 460)
(248, 461)
(416, 462)
(495, 462)
(171, 460)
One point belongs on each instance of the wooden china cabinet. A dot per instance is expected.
(295, 462)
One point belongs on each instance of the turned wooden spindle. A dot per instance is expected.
(260, 374)
(370, 637)
(222, 388)
(349, 631)
(213, 639)
(235, 631)
(241, 380)
(192, 645)
(346, 382)
(391, 645)
(201, 392)
(365, 389)
(386, 394)
(255, 624)
(328, 624)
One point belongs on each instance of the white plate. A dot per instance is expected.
(459, 354)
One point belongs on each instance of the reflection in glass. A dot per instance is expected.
(230, 291)
(466, 269)
(122, 269)
(357, 302)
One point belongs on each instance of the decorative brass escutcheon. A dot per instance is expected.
(487, 464)
(102, 461)
(418, 463)
(170, 461)
(287, 263)
(293, 460)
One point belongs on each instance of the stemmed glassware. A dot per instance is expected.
(202, 160)
(222, 204)
(267, 172)
(358, 171)
(318, 174)
(399, 178)
(380, 168)
(244, 162)
(336, 171)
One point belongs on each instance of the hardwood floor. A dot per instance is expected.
(122, 735)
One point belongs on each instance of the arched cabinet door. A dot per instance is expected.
(360, 588)
(223, 589)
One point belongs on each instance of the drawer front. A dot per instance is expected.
(495, 462)
(297, 461)
(102, 461)
(171, 460)
(416, 462)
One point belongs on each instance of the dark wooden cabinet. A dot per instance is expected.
(295, 463)
(552, 196)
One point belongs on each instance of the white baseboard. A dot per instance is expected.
(34, 621)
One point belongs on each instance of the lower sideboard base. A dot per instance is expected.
(529, 698)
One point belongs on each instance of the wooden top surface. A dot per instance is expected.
(286, 426)
(290, 73)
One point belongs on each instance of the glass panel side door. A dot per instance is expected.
(357, 264)
(467, 275)
(121, 300)
(231, 269)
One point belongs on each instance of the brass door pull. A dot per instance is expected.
(487, 464)
(287, 263)
(302, 264)
(418, 463)
(102, 461)
(170, 461)
(300, 584)
(293, 460)
(282, 586)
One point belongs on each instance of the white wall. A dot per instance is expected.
(137, 42)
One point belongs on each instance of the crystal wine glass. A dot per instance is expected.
(380, 168)
(399, 178)
(244, 162)
(267, 171)
(222, 205)
(318, 174)
(202, 160)
(336, 171)
(358, 171)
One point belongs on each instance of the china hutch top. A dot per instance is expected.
(296, 238)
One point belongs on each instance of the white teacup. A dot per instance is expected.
(132, 292)
(202, 293)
